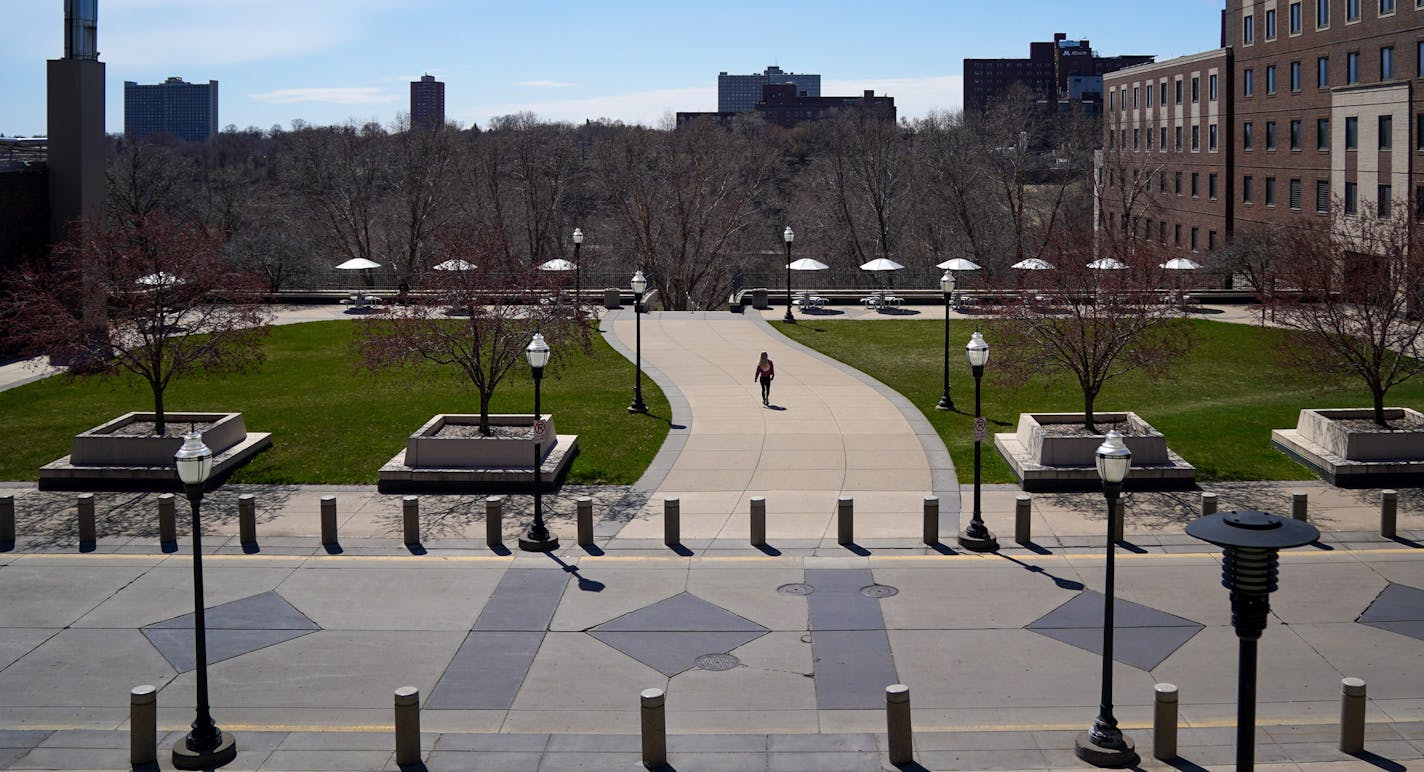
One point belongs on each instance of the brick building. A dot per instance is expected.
(427, 102)
(188, 111)
(1053, 70)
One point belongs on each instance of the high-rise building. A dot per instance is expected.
(427, 102)
(188, 111)
(76, 122)
(1054, 70)
(740, 93)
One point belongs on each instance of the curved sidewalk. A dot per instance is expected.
(830, 432)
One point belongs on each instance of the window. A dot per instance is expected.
(1270, 79)
(1386, 6)
(1211, 137)
(1295, 134)
(1352, 10)
(1195, 231)
(1248, 30)
(1211, 87)
(1178, 84)
(1295, 76)
(1352, 198)
(1162, 183)
(1162, 231)
(1177, 183)
(1211, 186)
(1136, 138)
(1352, 133)
(1387, 63)
(1385, 201)
(1177, 234)
(1148, 95)
(1246, 189)
(1352, 67)
(1270, 191)
(1322, 71)
(1295, 194)
(1271, 24)
(1162, 93)
(1419, 132)
(1177, 139)
(1322, 134)
(1386, 132)
(1136, 90)
(1196, 138)
(1322, 13)
(1246, 135)
(1196, 179)
(1248, 85)
(1211, 239)
(1295, 18)
(1322, 196)
(1163, 143)
(1112, 100)
(1270, 135)
(1196, 89)
(1148, 136)
(1419, 57)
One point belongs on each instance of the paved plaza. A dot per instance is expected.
(772, 658)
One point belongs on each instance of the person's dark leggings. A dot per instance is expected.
(765, 390)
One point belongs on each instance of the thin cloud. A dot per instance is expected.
(355, 95)
(545, 84)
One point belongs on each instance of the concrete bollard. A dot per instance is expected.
(407, 708)
(85, 507)
(1023, 522)
(328, 521)
(1352, 715)
(845, 520)
(897, 724)
(672, 522)
(1298, 505)
(758, 525)
(247, 520)
(167, 519)
(494, 522)
(930, 529)
(1389, 514)
(143, 725)
(410, 519)
(654, 725)
(585, 521)
(1164, 722)
(1118, 515)
(1208, 504)
(7, 519)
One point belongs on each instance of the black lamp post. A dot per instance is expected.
(205, 746)
(1248, 569)
(946, 284)
(640, 285)
(977, 537)
(1104, 745)
(788, 236)
(538, 538)
(578, 266)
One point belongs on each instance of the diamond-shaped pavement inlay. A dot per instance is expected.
(671, 634)
(1398, 609)
(235, 628)
(1142, 637)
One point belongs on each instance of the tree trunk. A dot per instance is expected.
(1379, 408)
(484, 414)
(160, 425)
(1088, 423)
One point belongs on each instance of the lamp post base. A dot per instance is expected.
(789, 319)
(637, 407)
(530, 543)
(982, 542)
(944, 404)
(183, 758)
(1121, 754)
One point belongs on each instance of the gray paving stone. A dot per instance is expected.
(1396, 603)
(718, 762)
(22, 738)
(1143, 636)
(717, 743)
(487, 671)
(671, 653)
(325, 761)
(788, 743)
(176, 646)
(590, 762)
(491, 742)
(73, 758)
(482, 761)
(681, 612)
(823, 761)
(1007, 758)
(594, 743)
(525, 600)
(9, 756)
(852, 668)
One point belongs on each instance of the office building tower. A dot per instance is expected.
(740, 93)
(1054, 70)
(188, 111)
(427, 102)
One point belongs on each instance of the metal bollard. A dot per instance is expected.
(585, 521)
(672, 522)
(247, 520)
(1023, 518)
(897, 724)
(930, 530)
(1118, 515)
(7, 519)
(1164, 722)
(410, 519)
(758, 525)
(143, 725)
(85, 507)
(1298, 504)
(167, 519)
(407, 708)
(1352, 715)
(845, 520)
(1208, 504)
(1389, 514)
(494, 522)
(654, 725)
(328, 521)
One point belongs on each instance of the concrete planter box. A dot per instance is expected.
(434, 464)
(1349, 457)
(1046, 461)
(102, 458)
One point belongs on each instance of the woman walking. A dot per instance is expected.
(765, 372)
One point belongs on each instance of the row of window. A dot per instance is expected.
(1118, 98)
(1384, 194)
(1322, 17)
(1294, 135)
(1138, 231)
(1322, 71)
(1120, 139)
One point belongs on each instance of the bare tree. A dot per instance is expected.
(421, 167)
(145, 179)
(340, 174)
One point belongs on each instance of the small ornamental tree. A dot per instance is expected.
(1357, 294)
(475, 322)
(173, 303)
(1095, 323)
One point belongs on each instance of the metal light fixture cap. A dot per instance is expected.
(1252, 529)
(537, 352)
(639, 282)
(1114, 458)
(977, 350)
(194, 460)
(948, 282)
(578, 236)
(788, 235)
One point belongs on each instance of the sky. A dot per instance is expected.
(636, 61)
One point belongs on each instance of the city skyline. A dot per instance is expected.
(330, 61)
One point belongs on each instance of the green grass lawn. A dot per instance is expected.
(332, 423)
(1217, 412)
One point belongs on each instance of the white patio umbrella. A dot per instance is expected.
(808, 264)
(1107, 264)
(881, 264)
(1033, 264)
(455, 264)
(1181, 264)
(557, 264)
(358, 264)
(160, 279)
(958, 264)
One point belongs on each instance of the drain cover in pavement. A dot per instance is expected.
(717, 662)
(879, 591)
(796, 588)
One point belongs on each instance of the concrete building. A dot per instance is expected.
(1048, 73)
(188, 111)
(784, 106)
(427, 102)
(741, 93)
(75, 103)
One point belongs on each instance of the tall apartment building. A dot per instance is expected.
(1054, 70)
(184, 110)
(740, 93)
(427, 102)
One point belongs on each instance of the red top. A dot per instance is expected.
(769, 371)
